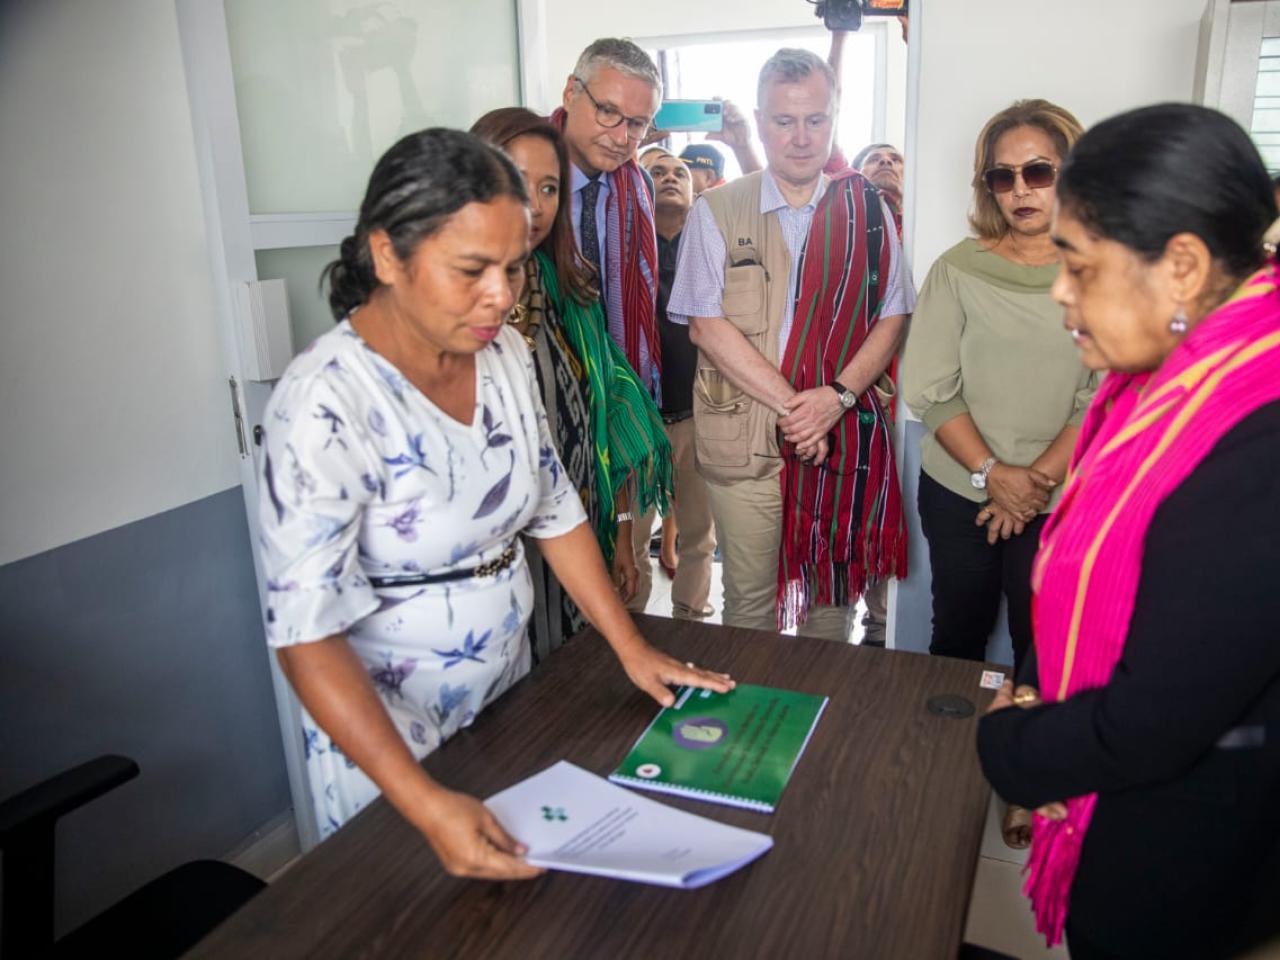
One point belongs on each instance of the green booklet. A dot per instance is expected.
(737, 748)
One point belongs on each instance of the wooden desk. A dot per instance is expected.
(876, 837)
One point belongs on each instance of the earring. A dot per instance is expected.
(1178, 325)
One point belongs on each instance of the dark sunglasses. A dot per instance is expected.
(1036, 176)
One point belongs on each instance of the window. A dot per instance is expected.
(1265, 127)
(699, 67)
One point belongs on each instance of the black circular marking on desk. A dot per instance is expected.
(951, 705)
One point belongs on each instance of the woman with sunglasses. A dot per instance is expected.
(606, 427)
(1152, 752)
(1000, 388)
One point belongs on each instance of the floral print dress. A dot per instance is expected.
(367, 480)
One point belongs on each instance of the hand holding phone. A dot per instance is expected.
(702, 116)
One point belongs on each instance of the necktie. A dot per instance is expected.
(587, 223)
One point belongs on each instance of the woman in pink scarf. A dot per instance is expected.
(1149, 734)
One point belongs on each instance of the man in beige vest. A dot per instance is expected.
(736, 285)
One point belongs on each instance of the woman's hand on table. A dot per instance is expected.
(655, 673)
(470, 842)
(1000, 523)
(1021, 491)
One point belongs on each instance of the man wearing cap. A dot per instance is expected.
(706, 163)
(792, 284)
(691, 586)
(607, 109)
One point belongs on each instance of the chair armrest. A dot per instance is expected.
(47, 801)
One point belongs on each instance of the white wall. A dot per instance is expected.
(572, 24)
(113, 401)
(1094, 57)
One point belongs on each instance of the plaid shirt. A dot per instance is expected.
(699, 283)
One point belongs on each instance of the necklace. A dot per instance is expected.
(525, 321)
(1019, 256)
(526, 316)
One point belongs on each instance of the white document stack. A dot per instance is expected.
(573, 820)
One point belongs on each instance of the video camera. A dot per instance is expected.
(848, 14)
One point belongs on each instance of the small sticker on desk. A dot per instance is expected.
(991, 680)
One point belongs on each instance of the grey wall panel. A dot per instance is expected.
(915, 604)
(144, 640)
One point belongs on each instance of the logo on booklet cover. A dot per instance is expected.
(699, 733)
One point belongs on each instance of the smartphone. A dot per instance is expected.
(703, 116)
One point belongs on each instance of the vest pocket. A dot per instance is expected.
(744, 299)
(734, 436)
(720, 410)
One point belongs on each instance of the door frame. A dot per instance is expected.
(234, 236)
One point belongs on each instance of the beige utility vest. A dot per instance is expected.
(736, 436)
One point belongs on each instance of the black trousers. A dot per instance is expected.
(1080, 948)
(970, 574)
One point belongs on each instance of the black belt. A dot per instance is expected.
(490, 569)
(670, 418)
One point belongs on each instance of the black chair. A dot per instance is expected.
(163, 919)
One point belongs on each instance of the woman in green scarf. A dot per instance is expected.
(607, 428)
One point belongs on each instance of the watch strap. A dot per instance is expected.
(842, 391)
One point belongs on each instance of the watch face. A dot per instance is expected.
(979, 480)
(847, 399)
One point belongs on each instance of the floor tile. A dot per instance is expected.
(1000, 916)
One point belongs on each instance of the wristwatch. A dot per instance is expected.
(979, 477)
(848, 399)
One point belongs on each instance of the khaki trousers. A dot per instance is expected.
(748, 516)
(877, 600)
(697, 535)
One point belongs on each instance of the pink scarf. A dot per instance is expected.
(1143, 436)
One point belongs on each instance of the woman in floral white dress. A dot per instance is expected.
(405, 450)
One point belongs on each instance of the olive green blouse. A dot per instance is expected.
(987, 340)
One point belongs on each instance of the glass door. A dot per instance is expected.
(292, 103)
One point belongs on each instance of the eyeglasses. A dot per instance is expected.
(1036, 175)
(609, 116)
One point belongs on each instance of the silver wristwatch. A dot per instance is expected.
(979, 477)
(848, 399)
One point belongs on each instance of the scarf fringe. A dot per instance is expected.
(1055, 854)
(828, 583)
